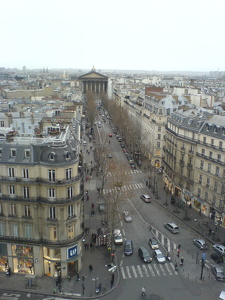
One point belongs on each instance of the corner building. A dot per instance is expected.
(41, 205)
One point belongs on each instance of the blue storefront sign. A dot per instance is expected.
(72, 252)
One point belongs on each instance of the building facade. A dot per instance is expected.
(93, 82)
(41, 205)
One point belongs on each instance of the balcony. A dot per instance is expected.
(189, 166)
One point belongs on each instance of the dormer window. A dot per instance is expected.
(13, 152)
(67, 155)
(51, 156)
(27, 153)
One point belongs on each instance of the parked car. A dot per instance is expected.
(127, 217)
(222, 295)
(128, 247)
(217, 257)
(219, 248)
(153, 243)
(146, 198)
(118, 240)
(172, 227)
(159, 256)
(201, 244)
(119, 139)
(144, 255)
(218, 272)
(101, 207)
(110, 155)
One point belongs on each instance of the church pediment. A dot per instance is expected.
(92, 75)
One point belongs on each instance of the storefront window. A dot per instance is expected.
(23, 259)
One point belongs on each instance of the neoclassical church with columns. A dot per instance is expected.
(93, 82)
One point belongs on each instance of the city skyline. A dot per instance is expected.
(148, 36)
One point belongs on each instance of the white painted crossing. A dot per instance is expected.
(147, 270)
(131, 172)
(124, 188)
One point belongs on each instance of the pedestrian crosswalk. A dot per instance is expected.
(124, 188)
(148, 270)
(169, 245)
(131, 172)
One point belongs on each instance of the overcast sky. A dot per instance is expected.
(163, 35)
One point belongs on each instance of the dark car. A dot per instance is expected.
(218, 272)
(217, 257)
(153, 243)
(128, 247)
(144, 255)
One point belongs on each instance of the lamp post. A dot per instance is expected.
(186, 218)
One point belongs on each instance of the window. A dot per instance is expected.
(52, 214)
(27, 211)
(210, 154)
(216, 186)
(11, 172)
(217, 171)
(12, 190)
(221, 144)
(192, 149)
(68, 174)
(209, 168)
(212, 141)
(159, 128)
(26, 193)
(27, 153)
(158, 144)
(13, 209)
(28, 231)
(67, 155)
(51, 156)
(13, 153)
(71, 231)
(53, 233)
(203, 151)
(199, 192)
(219, 156)
(70, 211)
(159, 136)
(70, 192)
(204, 140)
(25, 173)
(202, 164)
(14, 228)
(2, 124)
(0, 152)
(51, 175)
(206, 196)
(208, 182)
(51, 193)
(200, 179)
(2, 229)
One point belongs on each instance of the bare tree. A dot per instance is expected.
(91, 108)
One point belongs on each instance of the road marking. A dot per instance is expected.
(134, 271)
(139, 271)
(128, 271)
(156, 269)
(172, 266)
(145, 270)
(151, 270)
(161, 267)
(168, 269)
(123, 273)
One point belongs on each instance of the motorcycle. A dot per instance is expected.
(98, 288)
(168, 256)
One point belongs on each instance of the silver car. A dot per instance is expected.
(127, 217)
(201, 244)
(219, 248)
(159, 256)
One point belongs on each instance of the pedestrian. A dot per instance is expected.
(91, 246)
(91, 162)
(87, 197)
(210, 231)
(69, 277)
(92, 205)
(181, 261)
(178, 252)
(86, 192)
(86, 179)
(78, 277)
(143, 291)
(90, 268)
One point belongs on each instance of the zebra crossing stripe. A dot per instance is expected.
(168, 245)
(139, 271)
(168, 269)
(134, 271)
(156, 269)
(151, 270)
(128, 272)
(123, 273)
(161, 267)
(135, 186)
(145, 270)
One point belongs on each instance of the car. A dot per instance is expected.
(118, 240)
(133, 166)
(124, 150)
(222, 295)
(159, 256)
(146, 198)
(110, 155)
(131, 161)
(219, 248)
(122, 145)
(153, 243)
(84, 142)
(128, 247)
(101, 207)
(119, 139)
(144, 255)
(127, 217)
(218, 272)
(110, 135)
(201, 244)
(217, 257)
(172, 227)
